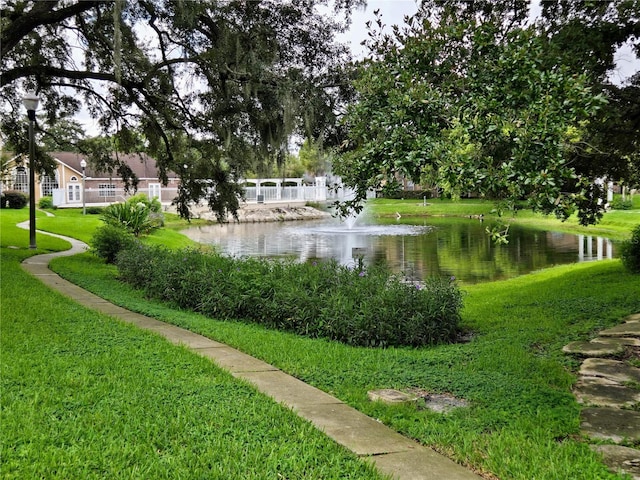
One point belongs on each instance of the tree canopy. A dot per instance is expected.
(486, 101)
(211, 87)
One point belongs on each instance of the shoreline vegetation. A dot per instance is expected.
(83, 396)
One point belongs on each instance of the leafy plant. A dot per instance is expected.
(134, 215)
(630, 251)
(619, 204)
(46, 203)
(13, 199)
(109, 240)
(368, 307)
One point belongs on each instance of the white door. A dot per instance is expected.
(154, 191)
(73, 193)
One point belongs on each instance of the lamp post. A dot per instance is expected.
(30, 102)
(83, 164)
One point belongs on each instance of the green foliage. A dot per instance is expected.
(262, 69)
(619, 204)
(13, 199)
(630, 251)
(355, 306)
(135, 215)
(94, 210)
(476, 108)
(109, 240)
(153, 204)
(46, 203)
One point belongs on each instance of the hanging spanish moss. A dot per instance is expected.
(117, 39)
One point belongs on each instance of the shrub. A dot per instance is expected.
(14, 199)
(619, 204)
(133, 215)
(109, 240)
(406, 194)
(367, 307)
(94, 210)
(46, 203)
(153, 204)
(630, 251)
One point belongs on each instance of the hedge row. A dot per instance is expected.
(366, 307)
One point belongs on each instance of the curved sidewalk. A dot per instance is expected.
(390, 452)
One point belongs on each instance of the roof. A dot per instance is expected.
(141, 164)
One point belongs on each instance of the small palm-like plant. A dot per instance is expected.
(135, 216)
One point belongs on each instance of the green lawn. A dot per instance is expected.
(85, 396)
(523, 421)
(615, 224)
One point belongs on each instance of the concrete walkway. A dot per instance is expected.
(390, 452)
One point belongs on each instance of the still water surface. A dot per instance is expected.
(416, 247)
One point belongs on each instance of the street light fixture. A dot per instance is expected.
(83, 164)
(30, 102)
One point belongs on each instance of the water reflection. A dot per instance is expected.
(416, 247)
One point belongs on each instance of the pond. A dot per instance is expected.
(415, 247)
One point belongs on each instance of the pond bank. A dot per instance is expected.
(271, 212)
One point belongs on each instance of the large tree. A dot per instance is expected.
(478, 96)
(213, 86)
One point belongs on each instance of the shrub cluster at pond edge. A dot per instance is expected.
(368, 307)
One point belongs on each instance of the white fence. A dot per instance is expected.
(269, 190)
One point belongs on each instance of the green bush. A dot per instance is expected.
(94, 210)
(153, 204)
(13, 199)
(46, 203)
(109, 240)
(406, 194)
(619, 204)
(135, 215)
(630, 251)
(367, 307)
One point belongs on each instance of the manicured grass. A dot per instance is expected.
(85, 396)
(71, 222)
(616, 224)
(523, 421)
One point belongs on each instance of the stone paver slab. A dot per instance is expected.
(233, 360)
(620, 459)
(610, 424)
(354, 430)
(602, 392)
(421, 464)
(391, 396)
(633, 318)
(626, 341)
(628, 329)
(594, 349)
(613, 370)
(286, 389)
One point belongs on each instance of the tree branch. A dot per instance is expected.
(42, 13)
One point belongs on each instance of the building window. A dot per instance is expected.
(48, 185)
(21, 182)
(106, 190)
